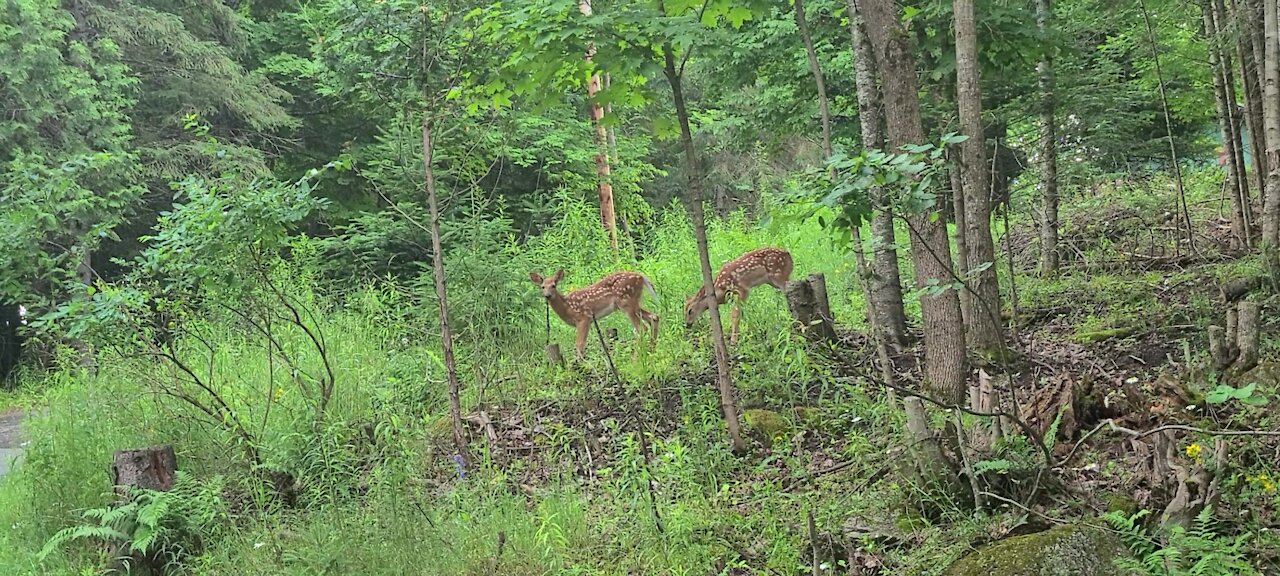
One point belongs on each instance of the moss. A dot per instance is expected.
(809, 416)
(1068, 550)
(440, 429)
(1121, 503)
(768, 424)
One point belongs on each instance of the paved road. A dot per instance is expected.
(10, 438)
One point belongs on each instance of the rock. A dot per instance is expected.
(1068, 550)
(1266, 374)
(768, 424)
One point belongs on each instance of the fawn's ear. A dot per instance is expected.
(557, 276)
(536, 277)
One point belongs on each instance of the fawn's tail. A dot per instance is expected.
(648, 286)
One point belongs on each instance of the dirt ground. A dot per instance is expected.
(10, 439)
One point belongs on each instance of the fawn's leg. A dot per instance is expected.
(735, 315)
(653, 323)
(634, 315)
(580, 343)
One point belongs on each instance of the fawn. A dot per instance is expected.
(740, 275)
(616, 291)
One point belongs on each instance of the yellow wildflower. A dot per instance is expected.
(1193, 450)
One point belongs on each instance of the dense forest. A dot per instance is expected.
(461, 287)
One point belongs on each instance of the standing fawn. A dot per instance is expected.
(760, 266)
(616, 291)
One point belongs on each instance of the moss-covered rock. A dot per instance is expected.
(768, 424)
(1266, 374)
(809, 416)
(1069, 550)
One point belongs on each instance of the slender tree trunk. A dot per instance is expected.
(1048, 150)
(694, 169)
(1251, 90)
(1248, 17)
(885, 282)
(1168, 124)
(446, 335)
(930, 249)
(604, 187)
(1218, 17)
(1226, 124)
(984, 330)
(1271, 121)
(960, 216)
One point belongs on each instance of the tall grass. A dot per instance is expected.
(377, 492)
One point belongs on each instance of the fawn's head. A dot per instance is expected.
(695, 305)
(547, 284)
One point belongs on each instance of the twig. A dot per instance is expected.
(644, 440)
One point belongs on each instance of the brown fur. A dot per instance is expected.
(760, 266)
(616, 291)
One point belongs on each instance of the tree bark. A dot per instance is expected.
(983, 331)
(10, 340)
(1048, 149)
(1227, 125)
(437, 269)
(149, 468)
(885, 281)
(1248, 18)
(604, 186)
(958, 214)
(694, 169)
(1271, 120)
(930, 249)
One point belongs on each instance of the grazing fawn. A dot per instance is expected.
(616, 291)
(740, 275)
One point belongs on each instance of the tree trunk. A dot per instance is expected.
(1236, 115)
(958, 214)
(1271, 120)
(10, 340)
(1226, 123)
(694, 169)
(984, 331)
(1249, 50)
(818, 282)
(446, 335)
(885, 281)
(1168, 124)
(930, 249)
(604, 187)
(1048, 150)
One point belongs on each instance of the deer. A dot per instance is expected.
(616, 291)
(760, 266)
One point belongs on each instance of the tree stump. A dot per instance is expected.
(553, 354)
(150, 468)
(807, 300)
(1246, 338)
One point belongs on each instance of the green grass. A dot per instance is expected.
(378, 492)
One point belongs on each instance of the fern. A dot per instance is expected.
(159, 525)
(1208, 553)
(73, 533)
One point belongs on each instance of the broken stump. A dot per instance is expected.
(150, 468)
(807, 300)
